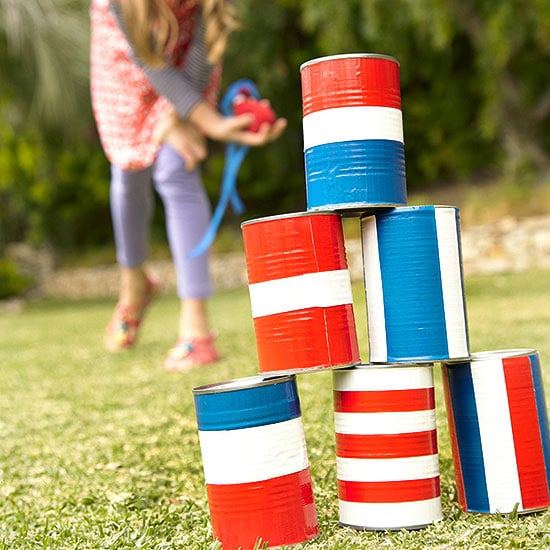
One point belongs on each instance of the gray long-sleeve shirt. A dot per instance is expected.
(184, 86)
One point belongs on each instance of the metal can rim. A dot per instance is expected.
(492, 354)
(241, 384)
(502, 353)
(290, 216)
(410, 208)
(372, 366)
(348, 56)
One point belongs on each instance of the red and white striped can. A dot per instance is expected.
(300, 292)
(386, 446)
(498, 423)
(354, 149)
(255, 463)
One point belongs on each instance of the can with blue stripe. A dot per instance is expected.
(498, 424)
(414, 287)
(255, 462)
(353, 133)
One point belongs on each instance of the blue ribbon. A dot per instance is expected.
(234, 156)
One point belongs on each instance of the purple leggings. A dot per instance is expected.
(187, 212)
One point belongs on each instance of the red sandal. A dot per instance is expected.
(122, 330)
(189, 354)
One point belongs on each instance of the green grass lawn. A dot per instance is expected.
(101, 451)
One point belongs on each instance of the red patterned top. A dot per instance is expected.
(126, 106)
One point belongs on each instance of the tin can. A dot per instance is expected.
(353, 133)
(499, 431)
(255, 462)
(414, 286)
(386, 446)
(300, 292)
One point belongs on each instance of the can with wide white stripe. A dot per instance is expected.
(414, 286)
(498, 423)
(353, 133)
(255, 462)
(300, 292)
(386, 446)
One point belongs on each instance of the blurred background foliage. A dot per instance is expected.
(474, 83)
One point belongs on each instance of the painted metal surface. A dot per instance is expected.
(300, 292)
(255, 462)
(386, 446)
(353, 133)
(414, 285)
(499, 431)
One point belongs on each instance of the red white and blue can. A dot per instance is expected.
(255, 462)
(353, 132)
(414, 286)
(498, 424)
(386, 446)
(300, 292)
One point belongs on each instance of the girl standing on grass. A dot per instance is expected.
(155, 76)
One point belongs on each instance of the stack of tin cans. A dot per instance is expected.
(252, 442)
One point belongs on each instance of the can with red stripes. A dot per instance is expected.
(498, 424)
(386, 446)
(300, 292)
(353, 132)
(255, 462)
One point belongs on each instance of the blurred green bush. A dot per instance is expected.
(12, 283)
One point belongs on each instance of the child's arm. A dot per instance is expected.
(182, 87)
(233, 128)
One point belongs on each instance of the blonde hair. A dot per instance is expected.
(220, 19)
(153, 28)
